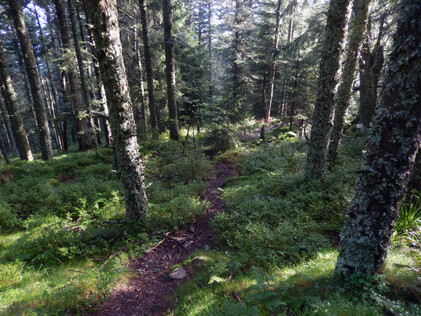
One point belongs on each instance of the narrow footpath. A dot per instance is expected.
(147, 292)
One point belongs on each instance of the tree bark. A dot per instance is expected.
(81, 121)
(82, 75)
(30, 63)
(154, 117)
(103, 15)
(392, 146)
(9, 136)
(100, 86)
(238, 67)
(13, 109)
(170, 68)
(325, 98)
(358, 25)
(273, 61)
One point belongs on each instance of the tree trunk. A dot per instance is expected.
(54, 104)
(358, 25)
(154, 116)
(371, 64)
(9, 136)
(3, 150)
(103, 16)
(100, 86)
(13, 109)
(211, 87)
(238, 67)
(170, 68)
(81, 122)
(325, 98)
(391, 150)
(273, 61)
(30, 63)
(142, 109)
(83, 83)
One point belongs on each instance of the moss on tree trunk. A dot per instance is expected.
(103, 15)
(326, 89)
(391, 150)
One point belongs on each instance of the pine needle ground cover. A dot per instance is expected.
(278, 240)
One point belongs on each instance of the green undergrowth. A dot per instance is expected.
(63, 240)
(221, 287)
(278, 238)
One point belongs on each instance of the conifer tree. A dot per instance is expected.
(34, 81)
(328, 79)
(104, 16)
(12, 107)
(392, 147)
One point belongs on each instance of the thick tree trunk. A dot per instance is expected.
(100, 86)
(13, 109)
(273, 61)
(81, 121)
(103, 15)
(30, 63)
(170, 68)
(394, 141)
(325, 98)
(154, 116)
(358, 25)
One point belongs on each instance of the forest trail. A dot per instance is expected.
(146, 293)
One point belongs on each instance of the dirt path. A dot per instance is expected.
(146, 293)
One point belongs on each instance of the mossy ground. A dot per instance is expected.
(275, 253)
(278, 243)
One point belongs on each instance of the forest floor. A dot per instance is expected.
(147, 292)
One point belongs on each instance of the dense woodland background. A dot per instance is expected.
(110, 133)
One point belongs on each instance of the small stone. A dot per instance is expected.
(198, 261)
(178, 273)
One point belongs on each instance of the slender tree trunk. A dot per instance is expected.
(170, 68)
(82, 75)
(154, 116)
(294, 92)
(9, 135)
(358, 25)
(211, 87)
(391, 151)
(13, 109)
(142, 110)
(238, 68)
(103, 14)
(325, 98)
(30, 63)
(273, 61)
(3, 150)
(81, 121)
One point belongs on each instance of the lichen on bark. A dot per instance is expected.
(326, 89)
(358, 26)
(103, 14)
(392, 146)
